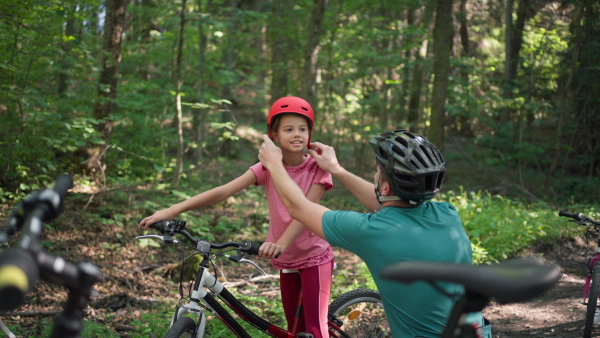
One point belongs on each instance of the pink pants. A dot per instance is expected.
(315, 284)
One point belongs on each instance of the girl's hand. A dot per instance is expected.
(161, 215)
(269, 250)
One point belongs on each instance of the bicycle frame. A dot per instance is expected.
(200, 293)
(591, 262)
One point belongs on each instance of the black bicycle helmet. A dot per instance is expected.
(415, 168)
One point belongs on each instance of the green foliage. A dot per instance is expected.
(157, 321)
(91, 329)
(499, 226)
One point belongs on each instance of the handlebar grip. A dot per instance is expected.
(568, 214)
(18, 274)
(160, 226)
(253, 250)
(62, 185)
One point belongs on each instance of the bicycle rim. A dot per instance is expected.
(592, 301)
(361, 313)
(183, 327)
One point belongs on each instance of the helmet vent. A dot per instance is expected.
(402, 141)
(303, 108)
(398, 150)
(415, 164)
(430, 182)
(441, 177)
(426, 152)
(285, 106)
(420, 158)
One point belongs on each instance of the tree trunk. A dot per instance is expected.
(178, 82)
(442, 44)
(463, 122)
(198, 122)
(416, 87)
(107, 83)
(279, 49)
(514, 41)
(312, 51)
(63, 77)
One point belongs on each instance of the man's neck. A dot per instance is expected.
(398, 204)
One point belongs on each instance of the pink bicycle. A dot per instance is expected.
(592, 280)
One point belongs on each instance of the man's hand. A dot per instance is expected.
(325, 157)
(269, 153)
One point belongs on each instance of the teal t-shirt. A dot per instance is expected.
(432, 231)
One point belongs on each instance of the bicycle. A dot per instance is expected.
(357, 313)
(592, 279)
(510, 281)
(20, 268)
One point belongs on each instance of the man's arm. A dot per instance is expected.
(363, 190)
(298, 206)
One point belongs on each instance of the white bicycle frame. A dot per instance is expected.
(207, 281)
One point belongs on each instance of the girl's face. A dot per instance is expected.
(292, 133)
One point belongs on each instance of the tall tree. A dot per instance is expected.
(462, 119)
(526, 9)
(315, 30)
(178, 82)
(198, 123)
(66, 47)
(416, 86)
(442, 45)
(279, 43)
(107, 82)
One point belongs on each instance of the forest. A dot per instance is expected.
(147, 102)
(137, 91)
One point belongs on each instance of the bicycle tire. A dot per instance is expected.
(183, 327)
(361, 313)
(592, 301)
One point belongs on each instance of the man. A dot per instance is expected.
(406, 225)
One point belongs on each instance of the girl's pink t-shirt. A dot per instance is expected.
(307, 249)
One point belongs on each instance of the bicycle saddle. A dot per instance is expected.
(510, 281)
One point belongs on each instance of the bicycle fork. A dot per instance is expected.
(193, 306)
(591, 264)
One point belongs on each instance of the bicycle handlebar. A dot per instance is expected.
(19, 271)
(20, 268)
(580, 218)
(171, 227)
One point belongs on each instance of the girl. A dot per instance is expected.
(289, 244)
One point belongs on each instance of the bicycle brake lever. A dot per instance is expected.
(244, 260)
(162, 238)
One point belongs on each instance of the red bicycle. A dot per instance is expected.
(357, 313)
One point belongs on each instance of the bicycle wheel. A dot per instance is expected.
(360, 314)
(592, 301)
(183, 327)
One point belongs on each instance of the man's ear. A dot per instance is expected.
(386, 188)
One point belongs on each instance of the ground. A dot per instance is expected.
(558, 312)
(137, 278)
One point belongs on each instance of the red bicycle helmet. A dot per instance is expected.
(291, 105)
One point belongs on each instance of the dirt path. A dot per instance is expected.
(135, 277)
(558, 312)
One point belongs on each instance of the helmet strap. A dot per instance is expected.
(382, 198)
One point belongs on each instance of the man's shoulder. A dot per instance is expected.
(343, 216)
(443, 205)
